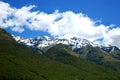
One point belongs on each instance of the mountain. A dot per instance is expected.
(18, 62)
(64, 54)
(105, 55)
(72, 41)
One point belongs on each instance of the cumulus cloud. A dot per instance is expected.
(58, 23)
(114, 37)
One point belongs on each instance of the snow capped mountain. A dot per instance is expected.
(72, 41)
(26, 41)
(44, 41)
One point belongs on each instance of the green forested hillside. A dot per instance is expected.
(62, 53)
(17, 62)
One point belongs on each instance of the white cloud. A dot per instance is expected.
(57, 23)
(114, 37)
(5, 12)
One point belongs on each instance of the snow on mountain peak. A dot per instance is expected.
(43, 41)
(70, 40)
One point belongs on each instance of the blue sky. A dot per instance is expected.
(90, 19)
(106, 10)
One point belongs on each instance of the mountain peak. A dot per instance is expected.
(72, 41)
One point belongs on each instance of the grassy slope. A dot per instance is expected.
(17, 62)
(63, 54)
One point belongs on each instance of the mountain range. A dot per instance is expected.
(45, 58)
(89, 51)
(72, 41)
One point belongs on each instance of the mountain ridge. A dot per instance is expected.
(102, 55)
(73, 43)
